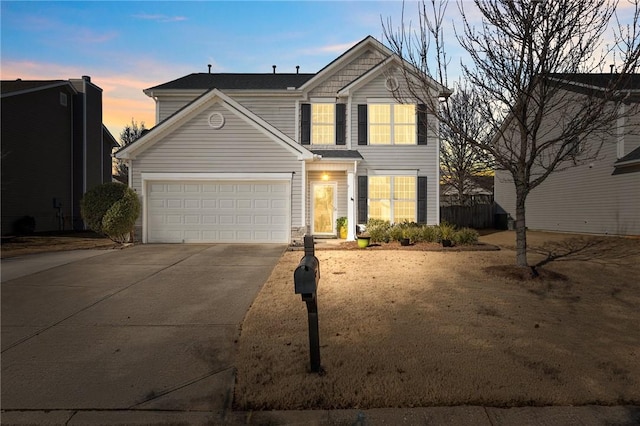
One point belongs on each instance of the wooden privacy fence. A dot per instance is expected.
(478, 216)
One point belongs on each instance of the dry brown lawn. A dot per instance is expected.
(24, 245)
(404, 328)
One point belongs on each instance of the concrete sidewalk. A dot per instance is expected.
(146, 335)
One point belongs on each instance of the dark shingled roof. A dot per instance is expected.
(632, 156)
(337, 153)
(267, 81)
(632, 81)
(8, 86)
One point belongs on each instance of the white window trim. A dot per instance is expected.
(392, 174)
(392, 124)
(322, 101)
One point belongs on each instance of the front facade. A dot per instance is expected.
(54, 148)
(271, 157)
(600, 197)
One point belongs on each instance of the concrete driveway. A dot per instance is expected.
(150, 327)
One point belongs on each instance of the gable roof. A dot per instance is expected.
(154, 135)
(226, 81)
(18, 87)
(369, 42)
(631, 158)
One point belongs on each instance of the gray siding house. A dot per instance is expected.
(271, 157)
(600, 197)
(54, 148)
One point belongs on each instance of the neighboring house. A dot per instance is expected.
(476, 191)
(271, 157)
(600, 197)
(54, 148)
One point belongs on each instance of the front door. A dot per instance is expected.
(323, 207)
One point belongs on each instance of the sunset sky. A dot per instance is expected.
(131, 45)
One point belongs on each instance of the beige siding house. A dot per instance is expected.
(271, 157)
(599, 197)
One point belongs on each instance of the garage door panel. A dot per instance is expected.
(218, 212)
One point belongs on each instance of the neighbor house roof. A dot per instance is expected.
(226, 81)
(600, 80)
(16, 87)
(631, 158)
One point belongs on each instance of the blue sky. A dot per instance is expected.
(127, 46)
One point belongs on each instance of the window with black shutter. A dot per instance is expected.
(362, 124)
(422, 199)
(422, 124)
(362, 199)
(305, 124)
(341, 124)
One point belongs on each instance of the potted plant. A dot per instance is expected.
(363, 240)
(446, 234)
(405, 240)
(341, 226)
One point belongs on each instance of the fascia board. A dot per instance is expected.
(266, 128)
(130, 152)
(39, 88)
(375, 71)
(365, 78)
(357, 49)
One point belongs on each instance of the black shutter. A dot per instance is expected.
(363, 195)
(422, 124)
(422, 199)
(341, 124)
(362, 124)
(305, 124)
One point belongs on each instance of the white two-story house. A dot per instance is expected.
(267, 158)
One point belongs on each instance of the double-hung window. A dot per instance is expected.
(392, 124)
(393, 198)
(323, 124)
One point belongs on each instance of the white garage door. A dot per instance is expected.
(218, 211)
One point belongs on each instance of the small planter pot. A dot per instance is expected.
(447, 243)
(363, 242)
(405, 242)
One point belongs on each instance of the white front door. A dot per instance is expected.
(323, 208)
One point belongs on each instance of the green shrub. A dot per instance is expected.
(396, 232)
(378, 230)
(445, 231)
(414, 233)
(110, 209)
(429, 233)
(465, 236)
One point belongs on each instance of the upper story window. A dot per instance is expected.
(323, 124)
(392, 124)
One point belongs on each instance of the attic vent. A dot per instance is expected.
(391, 83)
(63, 99)
(216, 120)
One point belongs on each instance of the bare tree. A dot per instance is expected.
(524, 56)
(462, 164)
(129, 134)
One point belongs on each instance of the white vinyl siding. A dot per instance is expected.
(583, 199)
(194, 147)
(423, 158)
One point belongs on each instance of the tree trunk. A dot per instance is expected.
(521, 228)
